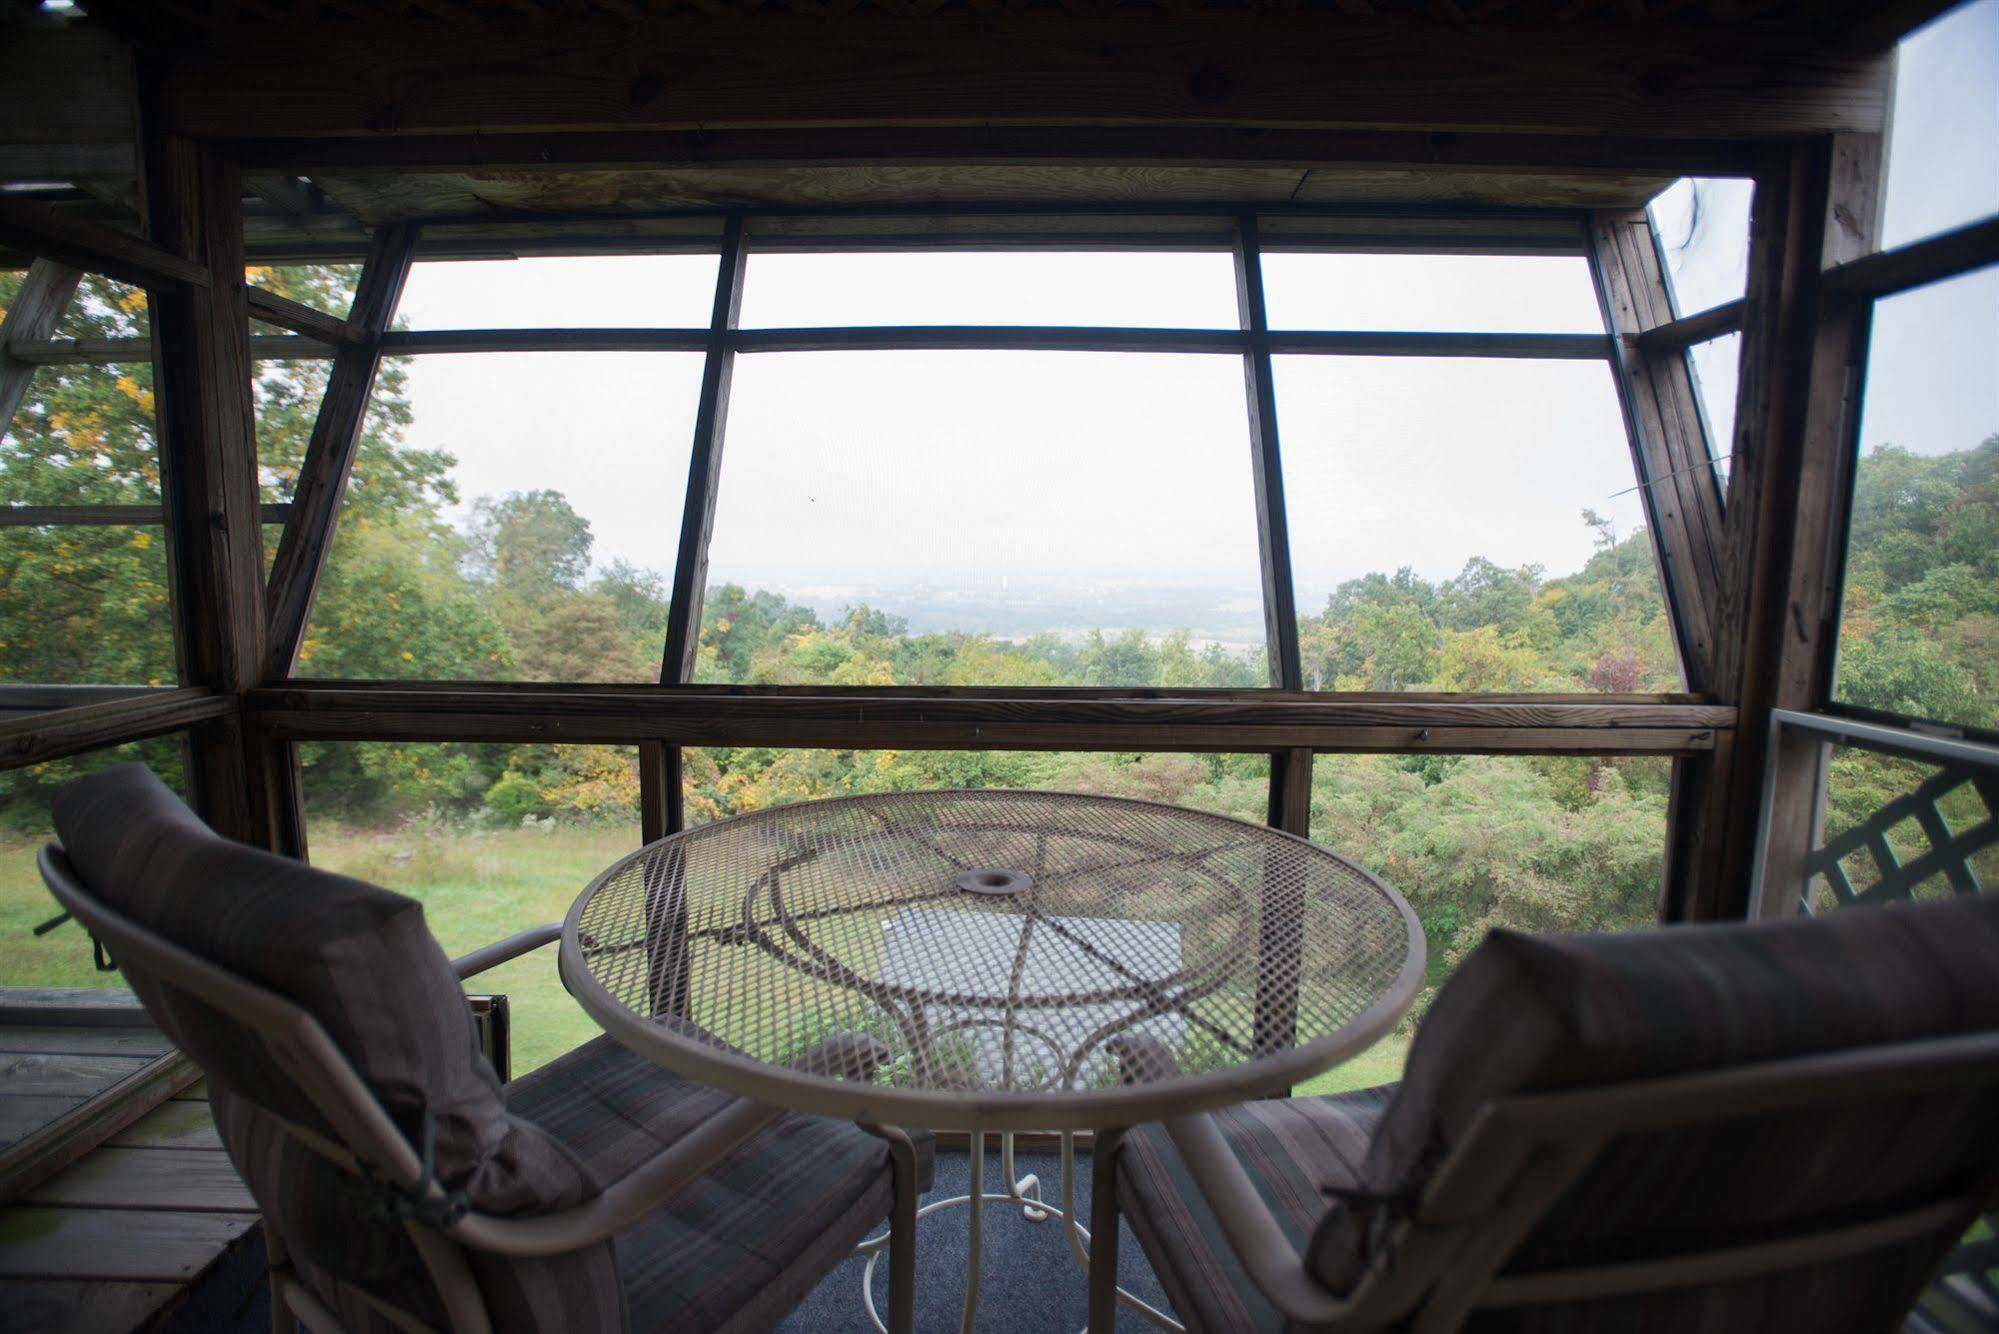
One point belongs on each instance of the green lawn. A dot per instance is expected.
(476, 888)
(1379, 1064)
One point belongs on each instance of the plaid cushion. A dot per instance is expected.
(739, 1247)
(1296, 1150)
(356, 957)
(1542, 1013)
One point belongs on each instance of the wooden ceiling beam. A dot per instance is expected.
(1188, 145)
(1198, 69)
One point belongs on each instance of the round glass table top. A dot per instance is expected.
(1013, 953)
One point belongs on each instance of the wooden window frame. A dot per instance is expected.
(273, 711)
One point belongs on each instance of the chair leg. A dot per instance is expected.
(1104, 1231)
(277, 1273)
(902, 1235)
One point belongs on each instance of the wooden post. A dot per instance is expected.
(45, 294)
(1784, 525)
(208, 462)
(1804, 648)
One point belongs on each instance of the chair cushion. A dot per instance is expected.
(359, 959)
(740, 1246)
(1540, 1013)
(1297, 1151)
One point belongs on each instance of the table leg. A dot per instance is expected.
(975, 1248)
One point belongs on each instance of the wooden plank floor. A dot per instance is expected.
(111, 1241)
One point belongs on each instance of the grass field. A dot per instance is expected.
(476, 887)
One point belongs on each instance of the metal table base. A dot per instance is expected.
(1023, 1192)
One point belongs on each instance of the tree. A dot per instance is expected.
(530, 544)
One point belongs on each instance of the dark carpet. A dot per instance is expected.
(1030, 1283)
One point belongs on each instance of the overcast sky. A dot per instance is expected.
(992, 475)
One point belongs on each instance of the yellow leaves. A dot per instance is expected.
(140, 539)
(133, 390)
(408, 656)
(133, 301)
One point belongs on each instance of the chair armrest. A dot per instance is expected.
(491, 956)
(625, 1201)
(665, 1174)
(1252, 1230)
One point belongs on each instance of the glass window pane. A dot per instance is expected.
(1703, 227)
(85, 605)
(985, 518)
(105, 308)
(1583, 849)
(1178, 289)
(286, 397)
(492, 839)
(1716, 366)
(1943, 144)
(62, 958)
(327, 287)
(83, 435)
(720, 781)
(1919, 632)
(512, 516)
(1430, 293)
(1467, 525)
(581, 292)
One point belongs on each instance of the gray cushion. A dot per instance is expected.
(739, 1247)
(358, 958)
(1537, 1013)
(1299, 1152)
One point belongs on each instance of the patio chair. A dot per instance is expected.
(1770, 1127)
(401, 1185)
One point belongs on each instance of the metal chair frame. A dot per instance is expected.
(366, 1141)
(1518, 1157)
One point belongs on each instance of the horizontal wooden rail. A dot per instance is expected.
(40, 230)
(132, 351)
(1678, 335)
(33, 738)
(993, 720)
(1887, 272)
(85, 516)
(270, 308)
(1026, 338)
(412, 342)
(1556, 347)
(1041, 338)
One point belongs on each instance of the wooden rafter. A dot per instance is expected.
(270, 308)
(704, 467)
(45, 294)
(40, 230)
(329, 454)
(1668, 442)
